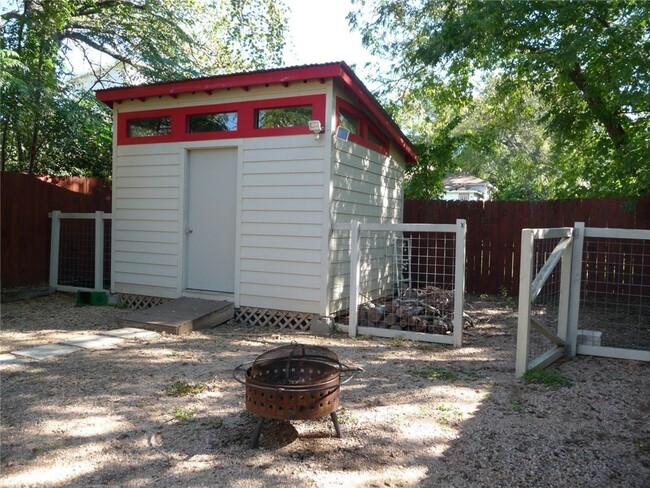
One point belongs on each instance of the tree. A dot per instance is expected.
(49, 125)
(586, 62)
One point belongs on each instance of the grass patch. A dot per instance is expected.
(183, 414)
(549, 377)
(444, 374)
(183, 388)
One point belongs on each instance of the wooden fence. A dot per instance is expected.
(26, 202)
(494, 230)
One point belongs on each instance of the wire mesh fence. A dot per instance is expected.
(80, 254)
(407, 279)
(77, 253)
(615, 293)
(545, 307)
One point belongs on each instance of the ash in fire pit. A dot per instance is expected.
(293, 382)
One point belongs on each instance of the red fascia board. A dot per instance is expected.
(243, 80)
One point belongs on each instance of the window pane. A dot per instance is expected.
(152, 126)
(282, 117)
(215, 122)
(349, 121)
(374, 138)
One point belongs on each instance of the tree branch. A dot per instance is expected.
(606, 117)
(99, 47)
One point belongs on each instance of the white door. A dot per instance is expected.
(211, 220)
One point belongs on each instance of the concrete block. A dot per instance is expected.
(589, 337)
(321, 326)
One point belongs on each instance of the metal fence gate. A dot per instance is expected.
(586, 291)
(400, 280)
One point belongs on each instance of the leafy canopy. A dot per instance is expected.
(582, 68)
(50, 125)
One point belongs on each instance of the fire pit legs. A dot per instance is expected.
(256, 433)
(255, 441)
(335, 421)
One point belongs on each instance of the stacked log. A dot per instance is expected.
(419, 310)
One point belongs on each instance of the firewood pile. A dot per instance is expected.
(430, 309)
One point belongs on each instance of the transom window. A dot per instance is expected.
(212, 122)
(267, 118)
(150, 126)
(349, 121)
(247, 118)
(362, 129)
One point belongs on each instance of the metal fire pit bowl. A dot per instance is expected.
(294, 382)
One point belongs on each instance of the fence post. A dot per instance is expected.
(565, 287)
(99, 250)
(523, 319)
(55, 238)
(459, 285)
(355, 228)
(574, 289)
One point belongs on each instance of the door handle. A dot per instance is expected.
(189, 230)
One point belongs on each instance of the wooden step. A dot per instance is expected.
(181, 316)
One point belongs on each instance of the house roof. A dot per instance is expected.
(338, 71)
(464, 181)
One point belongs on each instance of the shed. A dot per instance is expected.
(228, 187)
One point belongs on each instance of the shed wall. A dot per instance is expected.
(366, 187)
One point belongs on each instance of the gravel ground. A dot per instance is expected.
(419, 415)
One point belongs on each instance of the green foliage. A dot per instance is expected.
(545, 99)
(183, 388)
(549, 377)
(444, 374)
(183, 414)
(49, 125)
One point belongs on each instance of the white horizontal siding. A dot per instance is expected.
(282, 217)
(288, 267)
(367, 187)
(282, 223)
(146, 219)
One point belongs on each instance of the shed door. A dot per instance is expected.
(210, 224)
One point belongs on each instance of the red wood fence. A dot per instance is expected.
(494, 230)
(26, 201)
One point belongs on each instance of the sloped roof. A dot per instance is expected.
(463, 180)
(338, 71)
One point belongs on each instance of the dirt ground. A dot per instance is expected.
(419, 415)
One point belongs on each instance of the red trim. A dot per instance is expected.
(245, 120)
(365, 126)
(337, 71)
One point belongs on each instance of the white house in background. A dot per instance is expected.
(466, 187)
(228, 187)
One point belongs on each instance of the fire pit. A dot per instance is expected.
(293, 382)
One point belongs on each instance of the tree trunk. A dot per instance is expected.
(608, 118)
(3, 147)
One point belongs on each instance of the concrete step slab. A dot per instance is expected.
(10, 360)
(130, 333)
(47, 351)
(94, 342)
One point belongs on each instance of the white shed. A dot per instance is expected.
(224, 189)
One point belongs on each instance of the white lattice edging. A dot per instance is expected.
(139, 302)
(274, 318)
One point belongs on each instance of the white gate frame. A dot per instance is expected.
(570, 251)
(529, 289)
(460, 229)
(55, 241)
(573, 348)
